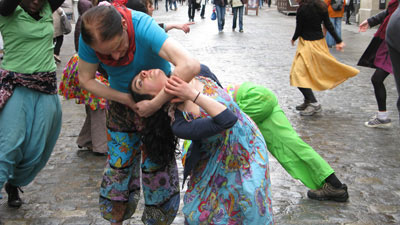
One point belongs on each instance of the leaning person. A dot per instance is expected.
(124, 42)
(30, 110)
(228, 166)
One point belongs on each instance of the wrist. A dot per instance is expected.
(196, 97)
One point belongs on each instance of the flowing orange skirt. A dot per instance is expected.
(314, 67)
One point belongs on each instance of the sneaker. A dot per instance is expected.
(328, 192)
(378, 123)
(241, 31)
(303, 105)
(13, 196)
(311, 109)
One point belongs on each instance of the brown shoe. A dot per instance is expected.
(328, 192)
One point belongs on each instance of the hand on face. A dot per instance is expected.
(179, 88)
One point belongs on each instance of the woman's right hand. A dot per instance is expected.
(179, 88)
(363, 26)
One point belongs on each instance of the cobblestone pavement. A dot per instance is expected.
(367, 160)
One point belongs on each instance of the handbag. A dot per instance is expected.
(213, 15)
(65, 24)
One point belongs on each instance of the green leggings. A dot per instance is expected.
(298, 158)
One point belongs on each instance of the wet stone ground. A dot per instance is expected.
(367, 160)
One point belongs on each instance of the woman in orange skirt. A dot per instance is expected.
(314, 68)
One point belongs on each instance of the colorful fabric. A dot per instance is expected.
(120, 188)
(35, 55)
(392, 6)
(230, 184)
(121, 182)
(314, 67)
(45, 82)
(298, 158)
(149, 39)
(25, 147)
(128, 58)
(70, 88)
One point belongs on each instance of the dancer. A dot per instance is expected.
(298, 158)
(125, 42)
(377, 56)
(313, 66)
(228, 166)
(30, 111)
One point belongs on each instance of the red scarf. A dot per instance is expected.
(128, 57)
(392, 6)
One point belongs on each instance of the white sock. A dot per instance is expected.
(382, 115)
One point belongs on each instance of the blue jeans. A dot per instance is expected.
(337, 24)
(235, 12)
(220, 17)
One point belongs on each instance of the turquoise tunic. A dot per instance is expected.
(230, 184)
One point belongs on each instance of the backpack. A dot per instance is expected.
(337, 5)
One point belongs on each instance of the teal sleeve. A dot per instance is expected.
(86, 53)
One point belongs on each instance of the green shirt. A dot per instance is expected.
(28, 43)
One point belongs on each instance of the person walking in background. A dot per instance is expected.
(237, 7)
(167, 4)
(30, 110)
(203, 8)
(377, 56)
(349, 10)
(393, 44)
(220, 6)
(58, 36)
(335, 11)
(269, 3)
(314, 68)
(173, 2)
(191, 9)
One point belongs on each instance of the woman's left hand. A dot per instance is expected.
(179, 88)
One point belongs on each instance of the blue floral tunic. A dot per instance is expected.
(230, 184)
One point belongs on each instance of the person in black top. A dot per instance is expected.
(314, 67)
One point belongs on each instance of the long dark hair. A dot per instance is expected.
(157, 136)
(319, 4)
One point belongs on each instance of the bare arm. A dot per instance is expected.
(87, 75)
(186, 67)
(185, 27)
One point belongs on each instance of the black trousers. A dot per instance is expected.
(308, 94)
(58, 41)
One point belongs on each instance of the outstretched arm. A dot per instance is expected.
(185, 27)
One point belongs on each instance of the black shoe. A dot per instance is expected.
(13, 196)
(348, 23)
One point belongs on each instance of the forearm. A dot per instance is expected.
(7, 7)
(211, 106)
(103, 91)
(377, 19)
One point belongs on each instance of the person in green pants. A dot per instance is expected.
(298, 158)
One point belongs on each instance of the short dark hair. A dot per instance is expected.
(105, 20)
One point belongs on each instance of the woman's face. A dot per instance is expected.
(32, 6)
(149, 82)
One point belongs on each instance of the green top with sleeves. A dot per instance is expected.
(31, 54)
